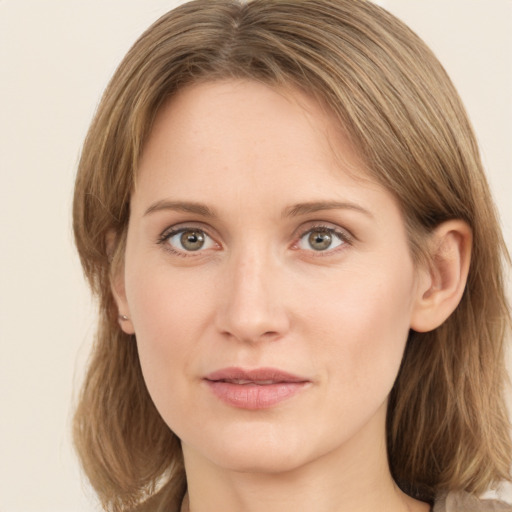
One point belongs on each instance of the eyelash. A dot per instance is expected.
(168, 234)
(342, 235)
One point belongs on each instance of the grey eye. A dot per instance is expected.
(190, 240)
(320, 239)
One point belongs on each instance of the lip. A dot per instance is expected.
(252, 389)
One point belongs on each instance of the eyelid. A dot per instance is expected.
(342, 234)
(182, 227)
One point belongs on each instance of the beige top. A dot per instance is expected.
(463, 502)
(453, 502)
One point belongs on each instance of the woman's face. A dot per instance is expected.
(268, 281)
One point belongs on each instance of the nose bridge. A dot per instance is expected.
(252, 306)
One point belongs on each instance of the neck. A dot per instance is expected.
(297, 490)
(354, 478)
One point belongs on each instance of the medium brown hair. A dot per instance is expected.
(447, 423)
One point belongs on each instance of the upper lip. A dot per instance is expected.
(256, 375)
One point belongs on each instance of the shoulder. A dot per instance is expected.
(464, 502)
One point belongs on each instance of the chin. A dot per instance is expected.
(260, 461)
(257, 450)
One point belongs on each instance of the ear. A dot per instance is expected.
(441, 285)
(117, 284)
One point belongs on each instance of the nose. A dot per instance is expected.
(252, 305)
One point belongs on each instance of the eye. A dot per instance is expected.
(188, 240)
(321, 239)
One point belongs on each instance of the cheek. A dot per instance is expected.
(165, 305)
(349, 325)
(364, 325)
(168, 314)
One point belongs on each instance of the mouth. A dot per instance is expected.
(259, 388)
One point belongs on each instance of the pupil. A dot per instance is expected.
(192, 240)
(320, 240)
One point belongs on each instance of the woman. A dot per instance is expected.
(282, 209)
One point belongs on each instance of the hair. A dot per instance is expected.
(447, 424)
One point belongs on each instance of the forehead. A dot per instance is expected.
(210, 109)
(244, 139)
(242, 113)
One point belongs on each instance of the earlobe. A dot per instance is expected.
(118, 291)
(441, 285)
(117, 285)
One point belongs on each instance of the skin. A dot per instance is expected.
(257, 294)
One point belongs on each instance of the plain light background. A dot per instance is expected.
(56, 57)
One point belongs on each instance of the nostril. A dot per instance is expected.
(251, 316)
(268, 335)
(252, 337)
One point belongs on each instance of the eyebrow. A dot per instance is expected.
(292, 211)
(317, 206)
(180, 206)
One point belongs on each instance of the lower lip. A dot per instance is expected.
(254, 396)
